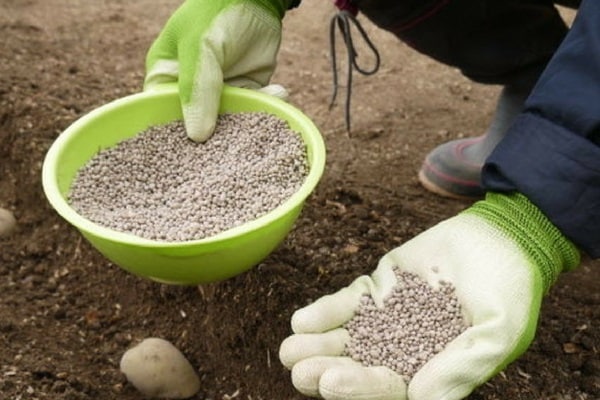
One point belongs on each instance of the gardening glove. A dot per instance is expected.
(501, 255)
(207, 43)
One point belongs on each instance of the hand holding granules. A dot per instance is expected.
(416, 322)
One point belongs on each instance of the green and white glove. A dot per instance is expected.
(207, 43)
(501, 255)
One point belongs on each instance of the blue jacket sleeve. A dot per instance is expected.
(552, 152)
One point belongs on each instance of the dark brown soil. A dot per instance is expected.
(67, 314)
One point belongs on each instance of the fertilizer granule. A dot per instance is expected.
(416, 322)
(160, 185)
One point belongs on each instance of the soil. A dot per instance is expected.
(67, 314)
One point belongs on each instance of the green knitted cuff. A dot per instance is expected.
(524, 223)
(275, 7)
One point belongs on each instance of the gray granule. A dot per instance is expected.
(160, 185)
(416, 322)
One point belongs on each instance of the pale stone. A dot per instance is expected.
(159, 370)
(7, 222)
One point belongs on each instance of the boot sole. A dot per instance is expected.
(434, 188)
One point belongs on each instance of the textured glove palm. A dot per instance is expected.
(501, 255)
(206, 43)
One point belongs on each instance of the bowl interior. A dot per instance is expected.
(106, 126)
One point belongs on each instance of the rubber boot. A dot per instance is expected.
(453, 169)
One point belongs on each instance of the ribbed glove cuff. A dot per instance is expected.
(544, 245)
(276, 7)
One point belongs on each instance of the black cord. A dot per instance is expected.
(344, 20)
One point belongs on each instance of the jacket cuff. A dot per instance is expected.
(556, 170)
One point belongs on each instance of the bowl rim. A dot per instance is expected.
(314, 140)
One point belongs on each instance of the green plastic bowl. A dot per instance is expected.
(211, 259)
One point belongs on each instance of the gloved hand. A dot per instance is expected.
(501, 255)
(206, 43)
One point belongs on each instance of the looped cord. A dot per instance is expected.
(344, 21)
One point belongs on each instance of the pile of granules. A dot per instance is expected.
(160, 185)
(416, 322)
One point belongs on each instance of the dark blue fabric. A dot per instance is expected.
(551, 154)
(490, 41)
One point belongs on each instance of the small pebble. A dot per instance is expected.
(159, 370)
(416, 322)
(7, 222)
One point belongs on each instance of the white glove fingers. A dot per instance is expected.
(248, 62)
(201, 111)
(273, 89)
(307, 373)
(356, 382)
(276, 90)
(331, 311)
(336, 309)
(302, 346)
(340, 378)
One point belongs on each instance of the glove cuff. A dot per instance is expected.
(545, 246)
(277, 7)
